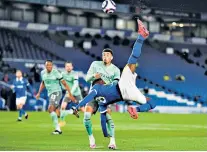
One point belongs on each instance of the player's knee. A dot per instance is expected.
(109, 111)
(87, 116)
(152, 104)
(96, 87)
(18, 107)
(51, 108)
(132, 67)
(63, 107)
(89, 109)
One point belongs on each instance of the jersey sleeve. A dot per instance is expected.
(29, 86)
(27, 82)
(90, 73)
(14, 84)
(117, 74)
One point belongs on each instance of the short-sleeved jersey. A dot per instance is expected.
(20, 87)
(71, 78)
(108, 73)
(52, 80)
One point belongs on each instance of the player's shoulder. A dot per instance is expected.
(55, 70)
(63, 72)
(114, 66)
(74, 73)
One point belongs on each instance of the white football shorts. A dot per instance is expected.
(21, 100)
(128, 88)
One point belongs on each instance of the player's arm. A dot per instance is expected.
(68, 89)
(29, 87)
(116, 75)
(91, 73)
(42, 86)
(13, 87)
(59, 76)
(75, 84)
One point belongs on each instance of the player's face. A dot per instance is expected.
(68, 67)
(18, 74)
(107, 57)
(48, 66)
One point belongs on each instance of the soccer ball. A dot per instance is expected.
(108, 6)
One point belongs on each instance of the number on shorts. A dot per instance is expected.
(53, 97)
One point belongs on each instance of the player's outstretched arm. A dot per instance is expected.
(42, 86)
(29, 87)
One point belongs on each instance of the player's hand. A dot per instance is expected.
(97, 75)
(72, 98)
(12, 86)
(37, 96)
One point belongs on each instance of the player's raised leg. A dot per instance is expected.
(136, 51)
(129, 76)
(146, 104)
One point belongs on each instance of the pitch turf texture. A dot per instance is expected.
(149, 132)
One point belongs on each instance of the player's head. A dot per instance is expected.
(48, 65)
(68, 66)
(107, 55)
(18, 73)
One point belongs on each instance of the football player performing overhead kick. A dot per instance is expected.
(125, 89)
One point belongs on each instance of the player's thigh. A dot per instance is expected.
(92, 107)
(20, 102)
(137, 96)
(78, 98)
(54, 99)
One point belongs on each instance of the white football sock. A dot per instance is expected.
(112, 140)
(91, 139)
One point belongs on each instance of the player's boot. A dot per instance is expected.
(57, 132)
(133, 112)
(19, 119)
(112, 146)
(26, 116)
(93, 146)
(142, 30)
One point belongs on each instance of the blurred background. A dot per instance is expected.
(172, 69)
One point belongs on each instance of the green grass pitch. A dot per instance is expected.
(149, 132)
